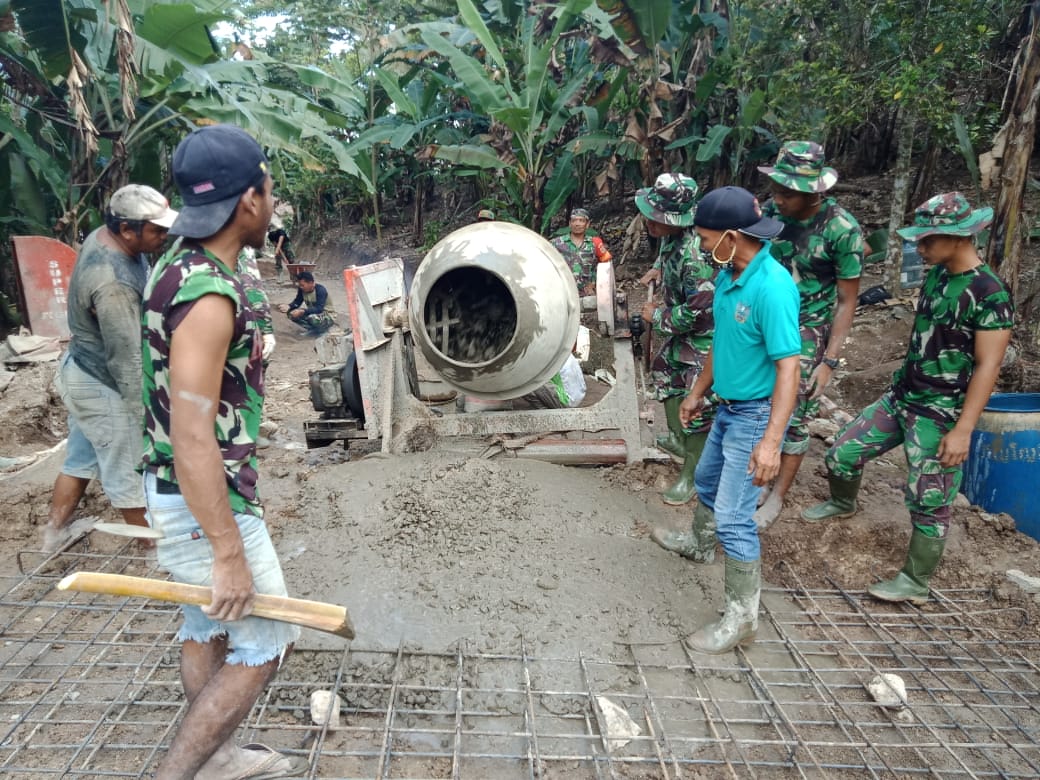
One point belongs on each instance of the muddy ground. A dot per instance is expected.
(432, 547)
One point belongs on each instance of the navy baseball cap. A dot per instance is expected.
(734, 208)
(212, 168)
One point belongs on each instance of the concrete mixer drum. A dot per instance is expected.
(470, 316)
(494, 310)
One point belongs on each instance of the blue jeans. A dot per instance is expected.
(722, 479)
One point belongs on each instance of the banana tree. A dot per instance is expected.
(532, 97)
(134, 81)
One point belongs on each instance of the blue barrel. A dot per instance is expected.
(912, 272)
(1002, 472)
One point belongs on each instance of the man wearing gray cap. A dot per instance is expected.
(99, 377)
(752, 368)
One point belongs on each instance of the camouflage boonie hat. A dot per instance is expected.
(671, 201)
(799, 167)
(948, 214)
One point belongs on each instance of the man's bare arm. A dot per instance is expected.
(198, 351)
(989, 354)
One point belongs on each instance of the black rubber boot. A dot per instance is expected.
(841, 504)
(674, 442)
(911, 583)
(683, 491)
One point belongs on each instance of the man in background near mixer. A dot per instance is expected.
(581, 251)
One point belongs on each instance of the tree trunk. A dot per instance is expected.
(1004, 253)
(905, 125)
(420, 207)
(926, 172)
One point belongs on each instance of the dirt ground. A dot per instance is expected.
(432, 547)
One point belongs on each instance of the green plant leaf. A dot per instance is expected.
(711, 149)
(466, 154)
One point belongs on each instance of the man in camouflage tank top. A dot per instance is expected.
(960, 332)
(822, 246)
(203, 398)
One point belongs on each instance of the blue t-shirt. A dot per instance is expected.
(756, 324)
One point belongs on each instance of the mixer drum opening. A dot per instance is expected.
(470, 316)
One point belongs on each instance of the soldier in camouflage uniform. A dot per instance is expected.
(961, 330)
(259, 302)
(822, 246)
(683, 323)
(203, 398)
(581, 251)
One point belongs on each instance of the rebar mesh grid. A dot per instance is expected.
(89, 687)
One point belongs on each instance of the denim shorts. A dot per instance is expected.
(105, 439)
(186, 553)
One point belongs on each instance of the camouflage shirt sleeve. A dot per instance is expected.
(689, 290)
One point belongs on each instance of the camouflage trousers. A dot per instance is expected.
(814, 344)
(671, 376)
(315, 323)
(882, 426)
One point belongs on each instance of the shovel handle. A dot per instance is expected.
(330, 618)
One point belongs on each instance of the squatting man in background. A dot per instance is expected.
(960, 333)
(753, 370)
(310, 308)
(99, 377)
(203, 390)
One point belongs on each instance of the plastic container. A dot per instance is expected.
(912, 273)
(1003, 470)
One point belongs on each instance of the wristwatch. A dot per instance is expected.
(830, 362)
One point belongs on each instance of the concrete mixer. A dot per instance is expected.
(493, 311)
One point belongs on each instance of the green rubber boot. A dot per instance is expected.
(698, 544)
(673, 443)
(683, 491)
(740, 620)
(841, 504)
(911, 583)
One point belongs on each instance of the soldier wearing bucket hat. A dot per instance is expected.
(682, 322)
(961, 330)
(581, 251)
(203, 391)
(752, 369)
(822, 245)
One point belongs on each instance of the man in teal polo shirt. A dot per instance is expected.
(753, 368)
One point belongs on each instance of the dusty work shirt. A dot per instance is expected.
(180, 278)
(818, 252)
(940, 359)
(104, 314)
